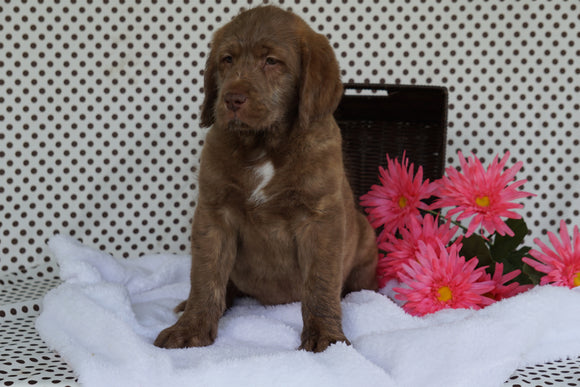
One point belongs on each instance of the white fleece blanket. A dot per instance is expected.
(105, 316)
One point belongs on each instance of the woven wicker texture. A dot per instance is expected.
(393, 120)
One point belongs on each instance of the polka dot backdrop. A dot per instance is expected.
(99, 135)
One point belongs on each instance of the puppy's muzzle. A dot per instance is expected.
(235, 101)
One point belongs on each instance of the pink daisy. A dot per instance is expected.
(440, 281)
(397, 199)
(401, 250)
(562, 264)
(485, 195)
(501, 290)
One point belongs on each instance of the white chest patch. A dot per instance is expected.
(264, 174)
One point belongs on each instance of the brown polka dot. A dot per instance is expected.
(100, 135)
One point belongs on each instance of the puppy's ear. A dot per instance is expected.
(320, 85)
(210, 89)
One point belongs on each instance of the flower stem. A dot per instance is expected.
(440, 216)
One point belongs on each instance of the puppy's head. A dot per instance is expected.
(266, 70)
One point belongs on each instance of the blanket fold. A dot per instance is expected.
(105, 315)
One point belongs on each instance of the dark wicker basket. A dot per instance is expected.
(391, 119)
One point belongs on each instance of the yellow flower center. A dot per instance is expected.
(482, 201)
(444, 294)
(402, 202)
(577, 279)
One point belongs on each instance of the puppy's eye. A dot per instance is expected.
(272, 61)
(228, 59)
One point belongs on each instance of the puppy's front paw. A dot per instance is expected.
(317, 341)
(183, 335)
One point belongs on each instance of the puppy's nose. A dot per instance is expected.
(234, 101)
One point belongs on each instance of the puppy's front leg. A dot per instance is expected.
(320, 251)
(213, 253)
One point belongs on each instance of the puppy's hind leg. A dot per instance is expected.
(181, 307)
(363, 273)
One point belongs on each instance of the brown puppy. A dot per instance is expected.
(275, 218)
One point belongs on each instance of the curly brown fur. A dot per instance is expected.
(276, 218)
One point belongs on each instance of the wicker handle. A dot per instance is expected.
(367, 86)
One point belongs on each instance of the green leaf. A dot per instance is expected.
(532, 274)
(513, 261)
(504, 245)
(475, 246)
